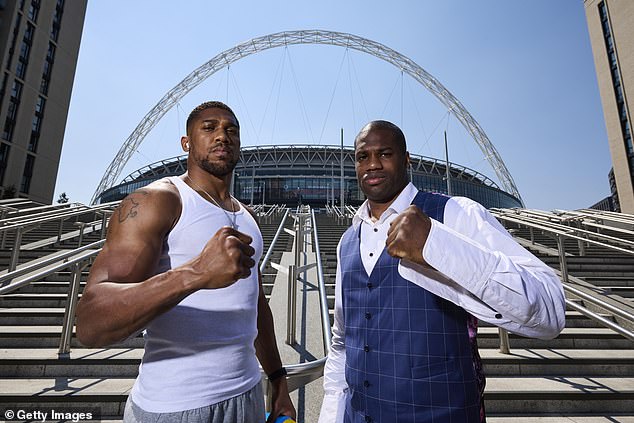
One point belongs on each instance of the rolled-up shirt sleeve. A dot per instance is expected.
(478, 266)
(335, 386)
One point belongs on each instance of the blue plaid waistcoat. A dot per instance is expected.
(408, 353)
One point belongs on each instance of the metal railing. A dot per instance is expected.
(22, 227)
(323, 299)
(77, 260)
(305, 225)
(556, 226)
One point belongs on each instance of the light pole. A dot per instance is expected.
(332, 182)
(341, 167)
(252, 179)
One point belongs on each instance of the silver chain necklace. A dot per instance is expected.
(232, 222)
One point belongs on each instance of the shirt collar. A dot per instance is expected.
(398, 206)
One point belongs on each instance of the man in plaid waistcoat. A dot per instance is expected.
(415, 273)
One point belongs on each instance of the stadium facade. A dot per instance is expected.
(304, 174)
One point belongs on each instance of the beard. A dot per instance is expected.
(218, 169)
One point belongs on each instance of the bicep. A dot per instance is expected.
(135, 238)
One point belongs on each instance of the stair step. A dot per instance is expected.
(20, 336)
(572, 418)
(106, 397)
(548, 395)
(558, 362)
(82, 362)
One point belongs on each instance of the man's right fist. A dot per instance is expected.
(227, 257)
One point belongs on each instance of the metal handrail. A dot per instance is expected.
(41, 264)
(323, 299)
(31, 211)
(595, 299)
(56, 217)
(547, 220)
(269, 252)
(608, 323)
(566, 233)
(25, 218)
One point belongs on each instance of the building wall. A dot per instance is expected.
(43, 66)
(612, 73)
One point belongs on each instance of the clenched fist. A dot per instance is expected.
(227, 257)
(407, 235)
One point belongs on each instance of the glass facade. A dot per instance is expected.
(295, 175)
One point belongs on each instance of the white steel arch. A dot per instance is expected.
(285, 38)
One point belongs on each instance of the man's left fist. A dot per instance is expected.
(407, 235)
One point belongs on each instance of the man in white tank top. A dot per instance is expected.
(180, 262)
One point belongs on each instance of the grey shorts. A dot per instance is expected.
(247, 408)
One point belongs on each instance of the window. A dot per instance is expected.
(36, 125)
(57, 19)
(25, 50)
(12, 111)
(3, 87)
(4, 158)
(48, 69)
(27, 174)
(34, 10)
(16, 31)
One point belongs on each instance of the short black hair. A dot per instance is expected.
(204, 106)
(384, 124)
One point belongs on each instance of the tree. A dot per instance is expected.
(63, 198)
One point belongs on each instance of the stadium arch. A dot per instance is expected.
(285, 38)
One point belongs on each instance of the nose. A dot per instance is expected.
(374, 162)
(221, 136)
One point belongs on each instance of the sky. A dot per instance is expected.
(523, 69)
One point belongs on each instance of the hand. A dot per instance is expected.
(282, 404)
(407, 235)
(227, 257)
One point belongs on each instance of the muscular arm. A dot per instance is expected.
(123, 293)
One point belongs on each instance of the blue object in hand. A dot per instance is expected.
(282, 419)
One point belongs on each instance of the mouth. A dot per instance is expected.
(221, 152)
(374, 179)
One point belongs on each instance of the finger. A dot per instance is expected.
(392, 233)
(241, 236)
(246, 249)
(247, 262)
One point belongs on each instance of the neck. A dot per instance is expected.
(213, 185)
(378, 207)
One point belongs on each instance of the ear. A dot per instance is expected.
(185, 143)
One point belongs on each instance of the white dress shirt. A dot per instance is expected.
(478, 266)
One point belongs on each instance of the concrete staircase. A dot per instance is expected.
(33, 374)
(585, 373)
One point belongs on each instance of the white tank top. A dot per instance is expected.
(201, 352)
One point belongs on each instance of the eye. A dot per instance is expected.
(361, 157)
